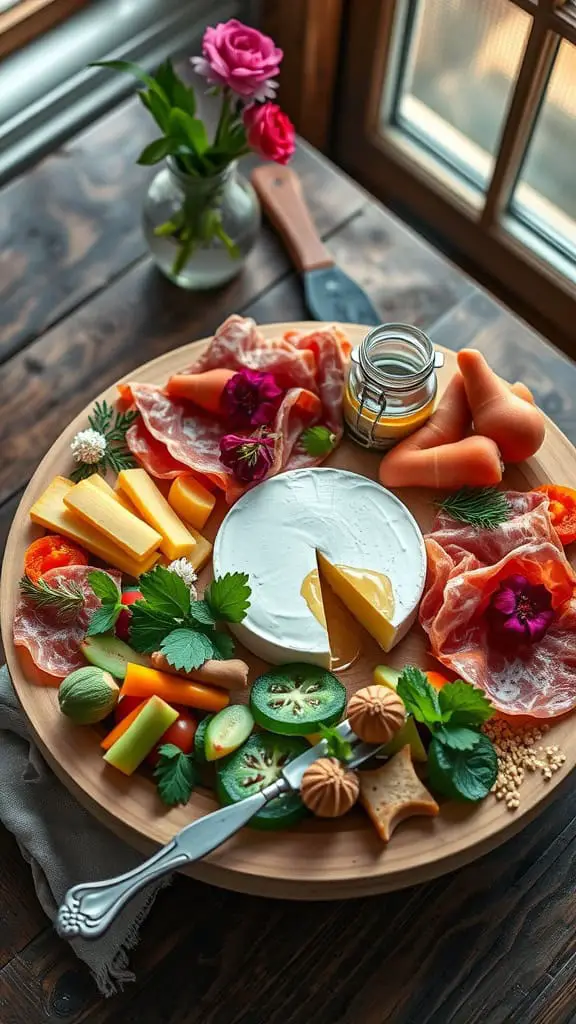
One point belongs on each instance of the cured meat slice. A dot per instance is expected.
(465, 567)
(54, 645)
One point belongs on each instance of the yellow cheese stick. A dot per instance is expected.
(191, 500)
(117, 496)
(104, 513)
(201, 552)
(50, 512)
(177, 541)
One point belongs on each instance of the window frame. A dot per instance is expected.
(394, 166)
(28, 19)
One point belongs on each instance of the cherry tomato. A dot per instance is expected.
(51, 552)
(180, 733)
(125, 705)
(436, 679)
(123, 621)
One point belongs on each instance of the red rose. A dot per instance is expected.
(270, 132)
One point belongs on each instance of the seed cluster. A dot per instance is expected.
(518, 751)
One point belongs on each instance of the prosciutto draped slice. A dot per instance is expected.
(465, 567)
(174, 437)
(54, 645)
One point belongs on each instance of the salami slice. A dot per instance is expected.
(465, 567)
(55, 645)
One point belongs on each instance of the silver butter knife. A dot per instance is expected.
(88, 909)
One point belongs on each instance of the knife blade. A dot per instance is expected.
(329, 293)
(88, 909)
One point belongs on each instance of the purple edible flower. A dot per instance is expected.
(520, 611)
(249, 458)
(250, 399)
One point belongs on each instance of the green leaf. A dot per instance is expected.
(104, 587)
(148, 627)
(178, 93)
(229, 597)
(457, 737)
(420, 698)
(165, 592)
(129, 68)
(336, 746)
(462, 774)
(158, 107)
(223, 645)
(464, 704)
(317, 441)
(188, 130)
(176, 775)
(201, 613)
(186, 649)
(165, 76)
(104, 619)
(155, 151)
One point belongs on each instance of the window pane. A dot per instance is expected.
(460, 62)
(546, 193)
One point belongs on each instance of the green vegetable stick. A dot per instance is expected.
(150, 725)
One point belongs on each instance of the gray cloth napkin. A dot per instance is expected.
(64, 845)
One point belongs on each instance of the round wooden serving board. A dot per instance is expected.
(317, 860)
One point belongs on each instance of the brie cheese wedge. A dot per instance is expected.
(366, 542)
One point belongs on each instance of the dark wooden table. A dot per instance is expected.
(81, 304)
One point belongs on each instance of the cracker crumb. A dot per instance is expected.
(519, 750)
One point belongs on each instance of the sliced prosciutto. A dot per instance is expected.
(173, 436)
(53, 643)
(465, 567)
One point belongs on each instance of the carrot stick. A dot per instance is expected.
(204, 389)
(141, 681)
(120, 728)
(228, 675)
(471, 462)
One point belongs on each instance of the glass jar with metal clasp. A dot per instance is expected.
(391, 386)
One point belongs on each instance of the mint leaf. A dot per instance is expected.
(317, 441)
(420, 698)
(186, 649)
(103, 620)
(229, 597)
(175, 774)
(457, 737)
(464, 704)
(165, 592)
(148, 627)
(336, 746)
(462, 774)
(223, 645)
(104, 587)
(200, 612)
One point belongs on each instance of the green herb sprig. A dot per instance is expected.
(462, 762)
(66, 600)
(336, 745)
(112, 424)
(482, 507)
(176, 775)
(317, 441)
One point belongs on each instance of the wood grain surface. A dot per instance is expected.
(491, 943)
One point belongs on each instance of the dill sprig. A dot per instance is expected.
(482, 507)
(66, 600)
(113, 426)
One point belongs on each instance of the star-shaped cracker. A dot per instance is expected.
(394, 792)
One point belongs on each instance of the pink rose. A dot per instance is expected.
(241, 58)
(270, 132)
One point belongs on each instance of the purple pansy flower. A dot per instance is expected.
(520, 611)
(251, 399)
(249, 458)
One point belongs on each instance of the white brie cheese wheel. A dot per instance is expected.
(273, 533)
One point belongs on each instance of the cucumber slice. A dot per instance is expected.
(254, 766)
(227, 731)
(111, 654)
(200, 739)
(295, 700)
(383, 675)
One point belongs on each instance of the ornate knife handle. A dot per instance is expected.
(89, 909)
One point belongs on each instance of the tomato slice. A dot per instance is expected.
(562, 510)
(51, 552)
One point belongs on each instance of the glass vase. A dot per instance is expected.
(200, 230)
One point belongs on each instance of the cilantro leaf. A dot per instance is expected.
(200, 612)
(104, 587)
(148, 627)
(317, 441)
(457, 737)
(186, 649)
(165, 592)
(175, 774)
(229, 597)
(420, 698)
(462, 774)
(223, 645)
(104, 619)
(336, 746)
(464, 704)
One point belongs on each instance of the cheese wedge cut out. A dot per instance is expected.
(363, 532)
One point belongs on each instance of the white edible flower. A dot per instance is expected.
(185, 570)
(88, 446)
